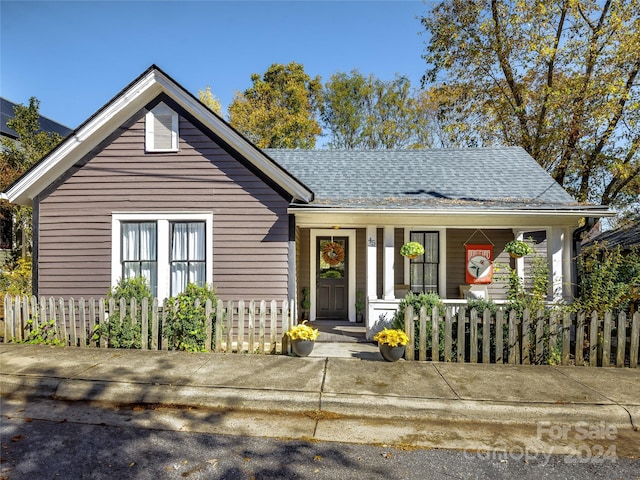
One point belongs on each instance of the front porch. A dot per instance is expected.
(373, 267)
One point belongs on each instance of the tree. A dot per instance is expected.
(210, 100)
(559, 78)
(369, 113)
(18, 156)
(280, 109)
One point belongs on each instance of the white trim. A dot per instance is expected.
(163, 219)
(328, 232)
(388, 263)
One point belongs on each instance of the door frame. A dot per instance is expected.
(351, 266)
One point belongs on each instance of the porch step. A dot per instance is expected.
(339, 331)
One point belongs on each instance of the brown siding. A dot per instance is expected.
(456, 239)
(398, 260)
(539, 239)
(249, 218)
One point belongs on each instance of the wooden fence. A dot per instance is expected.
(545, 337)
(249, 327)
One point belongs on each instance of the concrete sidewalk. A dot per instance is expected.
(345, 396)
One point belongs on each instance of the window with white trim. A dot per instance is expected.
(424, 269)
(169, 250)
(161, 129)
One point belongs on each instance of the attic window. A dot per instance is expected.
(161, 130)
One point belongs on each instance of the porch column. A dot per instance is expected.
(372, 251)
(518, 235)
(388, 290)
(555, 257)
(567, 287)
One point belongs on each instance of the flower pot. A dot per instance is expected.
(391, 354)
(412, 257)
(513, 255)
(302, 348)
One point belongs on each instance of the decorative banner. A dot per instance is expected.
(479, 263)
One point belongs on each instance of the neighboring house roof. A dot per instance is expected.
(626, 237)
(150, 85)
(495, 178)
(46, 124)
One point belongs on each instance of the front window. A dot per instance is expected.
(187, 255)
(424, 269)
(139, 252)
(169, 249)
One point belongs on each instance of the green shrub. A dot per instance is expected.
(186, 327)
(44, 334)
(427, 300)
(128, 333)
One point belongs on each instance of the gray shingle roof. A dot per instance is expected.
(505, 177)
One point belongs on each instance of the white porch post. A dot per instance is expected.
(372, 274)
(388, 290)
(518, 235)
(567, 289)
(555, 256)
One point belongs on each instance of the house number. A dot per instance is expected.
(372, 242)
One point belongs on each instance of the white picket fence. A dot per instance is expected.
(247, 327)
(565, 338)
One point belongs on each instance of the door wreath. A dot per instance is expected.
(333, 253)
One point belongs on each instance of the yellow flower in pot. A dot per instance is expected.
(392, 343)
(411, 250)
(303, 338)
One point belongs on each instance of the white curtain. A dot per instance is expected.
(187, 256)
(139, 252)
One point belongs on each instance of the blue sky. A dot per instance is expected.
(74, 56)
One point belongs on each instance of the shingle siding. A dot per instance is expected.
(250, 223)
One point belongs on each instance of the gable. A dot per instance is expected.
(150, 86)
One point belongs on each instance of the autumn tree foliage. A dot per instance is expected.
(280, 109)
(559, 78)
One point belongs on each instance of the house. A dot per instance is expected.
(156, 184)
(7, 234)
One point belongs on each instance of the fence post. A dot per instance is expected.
(83, 323)
(102, 318)
(622, 339)
(409, 329)
(462, 320)
(230, 323)
(252, 326)
(635, 340)
(486, 336)
(500, 335)
(273, 333)
(285, 328)
(63, 321)
(606, 340)
(512, 337)
(593, 339)
(566, 338)
(435, 335)
(422, 334)
(144, 323)
(155, 324)
(579, 356)
(208, 323)
(262, 326)
(448, 335)
(92, 320)
(8, 318)
(220, 317)
(473, 336)
(526, 337)
(18, 319)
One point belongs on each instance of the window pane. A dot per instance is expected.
(424, 269)
(196, 241)
(197, 273)
(180, 241)
(139, 252)
(178, 277)
(188, 255)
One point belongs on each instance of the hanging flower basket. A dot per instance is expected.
(518, 248)
(412, 250)
(333, 253)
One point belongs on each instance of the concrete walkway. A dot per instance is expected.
(346, 392)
